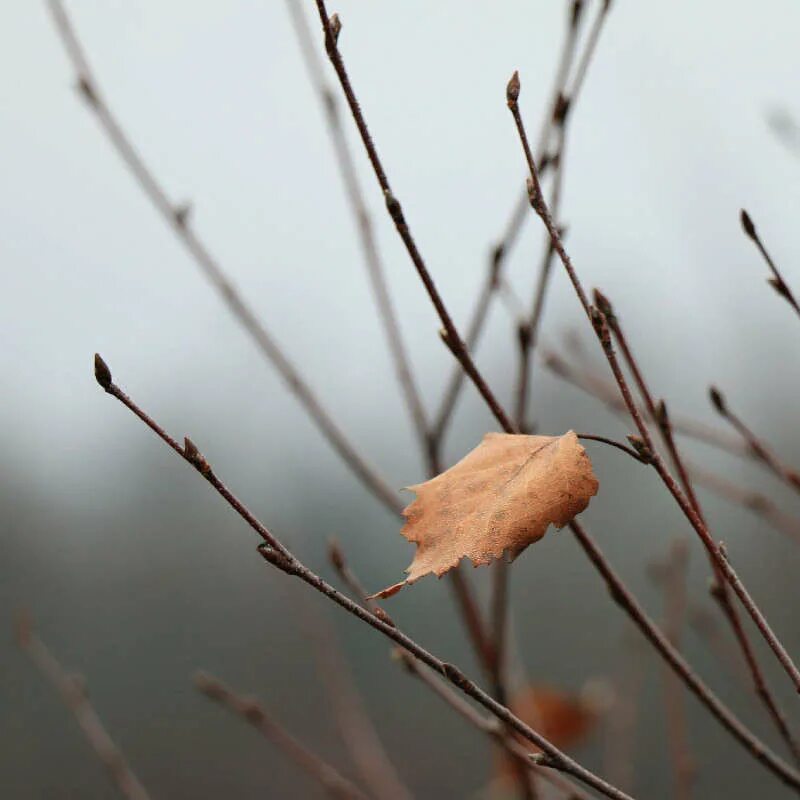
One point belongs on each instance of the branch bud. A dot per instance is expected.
(717, 400)
(195, 457)
(512, 90)
(335, 23)
(747, 225)
(604, 304)
(102, 373)
(641, 448)
(662, 416)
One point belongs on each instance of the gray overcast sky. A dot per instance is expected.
(669, 140)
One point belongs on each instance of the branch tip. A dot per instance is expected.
(717, 400)
(512, 90)
(575, 13)
(603, 304)
(102, 373)
(747, 225)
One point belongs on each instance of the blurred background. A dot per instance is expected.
(137, 574)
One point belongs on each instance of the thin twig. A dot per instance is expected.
(622, 596)
(488, 725)
(562, 113)
(760, 450)
(212, 269)
(73, 692)
(362, 740)
(607, 393)
(688, 505)
(753, 501)
(252, 712)
(671, 574)
(363, 219)
(758, 618)
(776, 281)
(502, 249)
(689, 500)
(619, 757)
(275, 552)
(450, 334)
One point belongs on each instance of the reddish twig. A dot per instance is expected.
(687, 504)
(488, 725)
(671, 574)
(211, 268)
(367, 753)
(622, 596)
(753, 501)
(502, 249)
(688, 501)
(73, 692)
(761, 623)
(275, 552)
(178, 221)
(562, 113)
(393, 207)
(776, 281)
(252, 712)
(369, 245)
(608, 394)
(620, 739)
(759, 449)
(721, 593)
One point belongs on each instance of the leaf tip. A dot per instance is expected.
(389, 591)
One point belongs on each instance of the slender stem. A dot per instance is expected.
(761, 623)
(689, 498)
(620, 737)
(691, 511)
(488, 725)
(776, 281)
(622, 596)
(73, 693)
(252, 712)
(753, 501)
(452, 337)
(672, 577)
(608, 394)
(372, 258)
(276, 553)
(502, 250)
(377, 770)
(759, 449)
(211, 268)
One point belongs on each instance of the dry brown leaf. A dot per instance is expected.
(498, 499)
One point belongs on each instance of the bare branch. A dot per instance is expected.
(213, 271)
(276, 553)
(363, 219)
(73, 692)
(252, 712)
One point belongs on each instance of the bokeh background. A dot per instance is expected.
(137, 574)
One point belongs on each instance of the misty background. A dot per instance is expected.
(137, 574)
